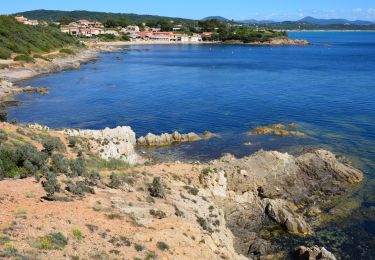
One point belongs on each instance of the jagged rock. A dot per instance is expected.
(283, 41)
(277, 129)
(117, 143)
(276, 185)
(259, 247)
(167, 139)
(209, 135)
(313, 253)
(38, 127)
(281, 212)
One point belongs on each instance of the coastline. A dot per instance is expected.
(18, 71)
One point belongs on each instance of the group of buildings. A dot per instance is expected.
(26, 21)
(85, 28)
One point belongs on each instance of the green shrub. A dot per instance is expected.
(72, 141)
(158, 214)
(5, 53)
(24, 57)
(139, 247)
(156, 188)
(51, 184)
(52, 144)
(77, 167)
(77, 234)
(52, 241)
(59, 164)
(162, 246)
(115, 181)
(67, 51)
(192, 190)
(79, 188)
(38, 56)
(3, 116)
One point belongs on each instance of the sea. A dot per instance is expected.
(326, 89)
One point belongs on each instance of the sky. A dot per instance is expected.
(196, 9)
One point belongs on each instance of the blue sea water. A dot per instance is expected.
(328, 89)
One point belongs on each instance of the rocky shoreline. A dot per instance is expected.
(228, 203)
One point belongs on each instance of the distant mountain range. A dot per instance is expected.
(313, 20)
(307, 19)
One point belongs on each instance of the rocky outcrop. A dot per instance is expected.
(277, 129)
(283, 213)
(166, 139)
(313, 253)
(283, 41)
(273, 187)
(7, 89)
(117, 143)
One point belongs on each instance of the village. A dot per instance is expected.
(92, 29)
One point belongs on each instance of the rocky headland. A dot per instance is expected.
(221, 208)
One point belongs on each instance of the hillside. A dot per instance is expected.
(25, 39)
(218, 18)
(54, 15)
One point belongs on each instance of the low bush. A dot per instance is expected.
(3, 116)
(59, 164)
(158, 214)
(38, 56)
(67, 51)
(51, 184)
(156, 188)
(115, 181)
(77, 234)
(5, 53)
(79, 188)
(52, 144)
(52, 241)
(77, 167)
(162, 246)
(24, 57)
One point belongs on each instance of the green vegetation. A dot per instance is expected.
(158, 214)
(156, 188)
(24, 57)
(52, 241)
(24, 39)
(77, 234)
(67, 51)
(191, 190)
(113, 19)
(162, 246)
(139, 247)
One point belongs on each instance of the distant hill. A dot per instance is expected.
(54, 15)
(256, 21)
(313, 20)
(218, 18)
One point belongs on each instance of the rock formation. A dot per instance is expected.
(168, 139)
(277, 129)
(117, 143)
(275, 187)
(313, 253)
(283, 42)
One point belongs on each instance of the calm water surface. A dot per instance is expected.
(328, 89)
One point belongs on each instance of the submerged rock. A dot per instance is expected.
(312, 253)
(117, 143)
(169, 139)
(277, 129)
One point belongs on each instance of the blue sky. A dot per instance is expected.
(233, 9)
